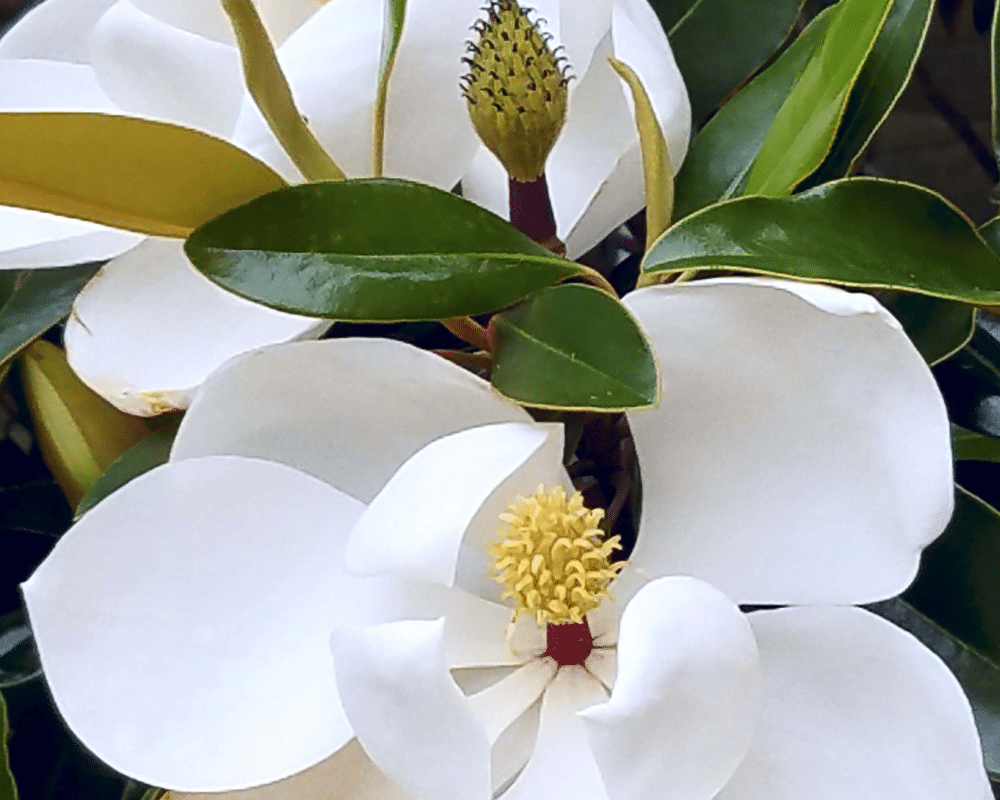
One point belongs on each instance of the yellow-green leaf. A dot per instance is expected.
(267, 85)
(395, 14)
(656, 168)
(79, 433)
(144, 176)
(8, 791)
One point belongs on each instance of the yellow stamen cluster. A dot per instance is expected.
(516, 89)
(553, 558)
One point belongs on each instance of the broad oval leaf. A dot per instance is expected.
(969, 445)
(371, 250)
(939, 328)
(718, 43)
(882, 80)
(148, 453)
(979, 676)
(804, 128)
(144, 176)
(721, 155)
(856, 231)
(18, 657)
(32, 301)
(573, 347)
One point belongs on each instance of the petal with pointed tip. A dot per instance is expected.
(149, 329)
(800, 452)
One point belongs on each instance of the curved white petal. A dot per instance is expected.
(149, 328)
(852, 706)
(183, 624)
(35, 85)
(408, 713)
(800, 452)
(58, 30)
(581, 28)
(499, 705)
(154, 69)
(280, 17)
(33, 239)
(349, 411)
(449, 496)
(346, 775)
(687, 689)
(562, 764)
(332, 64)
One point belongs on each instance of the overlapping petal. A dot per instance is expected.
(852, 706)
(393, 679)
(800, 452)
(149, 329)
(687, 689)
(349, 411)
(57, 30)
(186, 619)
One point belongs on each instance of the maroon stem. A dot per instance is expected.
(531, 209)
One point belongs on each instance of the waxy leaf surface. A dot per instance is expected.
(882, 80)
(804, 128)
(721, 155)
(144, 176)
(373, 250)
(969, 445)
(939, 328)
(857, 232)
(32, 301)
(719, 43)
(573, 347)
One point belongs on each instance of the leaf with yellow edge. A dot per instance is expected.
(267, 85)
(656, 168)
(79, 433)
(8, 791)
(144, 176)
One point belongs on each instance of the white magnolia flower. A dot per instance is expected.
(799, 456)
(149, 330)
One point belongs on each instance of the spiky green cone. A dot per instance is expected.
(516, 89)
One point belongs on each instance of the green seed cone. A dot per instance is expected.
(516, 89)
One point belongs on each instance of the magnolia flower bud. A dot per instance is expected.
(516, 89)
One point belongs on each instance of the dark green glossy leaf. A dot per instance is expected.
(979, 676)
(719, 43)
(18, 657)
(882, 80)
(856, 231)
(957, 585)
(939, 328)
(372, 250)
(8, 791)
(804, 129)
(573, 347)
(32, 301)
(990, 231)
(970, 381)
(152, 451)
(969, 445)
(994, 88)
(721, 155)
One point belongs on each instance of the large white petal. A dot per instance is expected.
(852, 706)
(332, 64)
(32, 239)
(687, 690)
(151, 68)
(183, 624)
(346, 775)
(562, 764)
(408, 713)
(350, 411)
(149, 328)
(55, 29)
(449, 496)
(35, 85)
(800, 452)
(208, 19)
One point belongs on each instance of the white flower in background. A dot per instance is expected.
(148, 331)
(799, 456)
